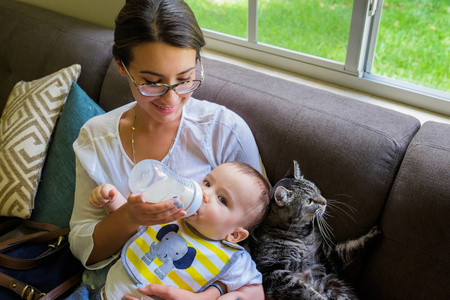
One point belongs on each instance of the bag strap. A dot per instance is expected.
(50, 232)
(24, 263)
(28, 292)
(47, 232)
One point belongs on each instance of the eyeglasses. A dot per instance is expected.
(159, 89)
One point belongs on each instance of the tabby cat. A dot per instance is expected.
(292, 247)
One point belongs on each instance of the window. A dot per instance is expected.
(414, 43)
(392, 49)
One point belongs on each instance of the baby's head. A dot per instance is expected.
(235, 201)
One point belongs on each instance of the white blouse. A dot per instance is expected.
(209, 135)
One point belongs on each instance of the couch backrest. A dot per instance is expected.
(412, 261)
(36, 42)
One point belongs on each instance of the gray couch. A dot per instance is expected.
(392, 170)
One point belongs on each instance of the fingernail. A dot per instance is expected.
(175, 202)
(140, 286)
(184, 215)
(180, 206)
(175, 197)
(140, 200)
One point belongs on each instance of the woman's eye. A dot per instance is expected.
(151, 82)
(223, 200)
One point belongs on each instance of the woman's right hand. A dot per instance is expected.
(143, 213)
(111, 233)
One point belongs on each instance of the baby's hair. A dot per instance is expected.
(260, 206)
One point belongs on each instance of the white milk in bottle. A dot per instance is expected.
(157, 183)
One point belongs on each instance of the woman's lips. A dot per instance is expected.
(165, 109)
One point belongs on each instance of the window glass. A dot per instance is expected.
(226, 16)
(413, 42)
(319, 28)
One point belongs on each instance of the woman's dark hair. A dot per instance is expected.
(168, 21)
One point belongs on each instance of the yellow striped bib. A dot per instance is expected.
(173, 254)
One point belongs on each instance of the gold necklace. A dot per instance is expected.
(133, 129)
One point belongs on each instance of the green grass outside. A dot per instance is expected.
(413, 42)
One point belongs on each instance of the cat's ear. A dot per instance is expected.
(281, 196)
(294, 171)
(239, 234)
(297, 173)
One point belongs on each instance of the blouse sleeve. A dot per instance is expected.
(85, 216)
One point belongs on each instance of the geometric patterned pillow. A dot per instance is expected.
(26, 127)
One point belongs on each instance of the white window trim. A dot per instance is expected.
(354, 73)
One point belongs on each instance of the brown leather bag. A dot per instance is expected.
(36, 264)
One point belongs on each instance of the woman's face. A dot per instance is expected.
(161, 63)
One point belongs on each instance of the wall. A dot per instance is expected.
(102, 12)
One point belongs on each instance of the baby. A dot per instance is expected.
(195, 252)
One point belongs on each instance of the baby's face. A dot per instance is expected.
(227, 196)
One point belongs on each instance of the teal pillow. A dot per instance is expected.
(55, 194)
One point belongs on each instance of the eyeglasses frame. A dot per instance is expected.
(168, 86)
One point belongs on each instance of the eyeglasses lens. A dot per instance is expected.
(157, 90)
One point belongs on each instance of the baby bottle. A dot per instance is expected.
(157, 183)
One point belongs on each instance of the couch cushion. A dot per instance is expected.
(36, 42)
(26, 126)
(55, 195)
(413, 259)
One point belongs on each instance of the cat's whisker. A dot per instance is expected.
(339, 211)
(325, 231)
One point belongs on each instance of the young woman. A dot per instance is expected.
(157, 47)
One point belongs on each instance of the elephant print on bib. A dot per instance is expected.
(172, 250)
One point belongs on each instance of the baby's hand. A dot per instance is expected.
(103, 194)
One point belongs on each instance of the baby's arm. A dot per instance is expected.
(108, 197)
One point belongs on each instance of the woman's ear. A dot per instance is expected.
(239, 234)
(121, 68)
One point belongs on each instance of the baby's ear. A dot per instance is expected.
(239, 234)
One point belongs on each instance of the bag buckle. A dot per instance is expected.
(30, 293)
(58, 242)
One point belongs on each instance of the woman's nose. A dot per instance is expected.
(170, 98)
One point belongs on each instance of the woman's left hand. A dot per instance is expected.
(173, 293)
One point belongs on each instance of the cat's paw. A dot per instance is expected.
(373, 235)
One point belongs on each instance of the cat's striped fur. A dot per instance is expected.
(293, 249)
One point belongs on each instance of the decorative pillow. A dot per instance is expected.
(54, 199)
(25, 128)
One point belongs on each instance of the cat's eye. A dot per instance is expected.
(308, 201)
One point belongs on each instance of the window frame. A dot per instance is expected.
(354, 73)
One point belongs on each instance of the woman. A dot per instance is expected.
(157, 47)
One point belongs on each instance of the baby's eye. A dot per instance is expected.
(223, 200)
(206, 183)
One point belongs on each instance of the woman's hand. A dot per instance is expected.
(173, 293)
(111, 234)
(143, 213)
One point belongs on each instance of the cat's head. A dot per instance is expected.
(295, 202)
